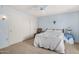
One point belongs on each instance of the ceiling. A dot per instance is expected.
(50, 9)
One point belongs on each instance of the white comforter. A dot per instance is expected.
(52, 40)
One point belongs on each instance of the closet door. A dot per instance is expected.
(3, 33)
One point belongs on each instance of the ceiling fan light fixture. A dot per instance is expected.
(40, 7)
(43, 7)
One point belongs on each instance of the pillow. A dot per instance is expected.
(58, 30)
(49, 30)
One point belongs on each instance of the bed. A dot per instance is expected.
(52, 39)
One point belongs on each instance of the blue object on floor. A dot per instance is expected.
(68, 36)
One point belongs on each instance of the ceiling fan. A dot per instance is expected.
(40, 7)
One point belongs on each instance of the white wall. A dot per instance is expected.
(21, 25)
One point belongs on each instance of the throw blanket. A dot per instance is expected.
(52, 40)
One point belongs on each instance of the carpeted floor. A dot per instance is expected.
(26, 47)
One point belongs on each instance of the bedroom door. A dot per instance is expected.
(3, 33)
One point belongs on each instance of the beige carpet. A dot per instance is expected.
(26, 47)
